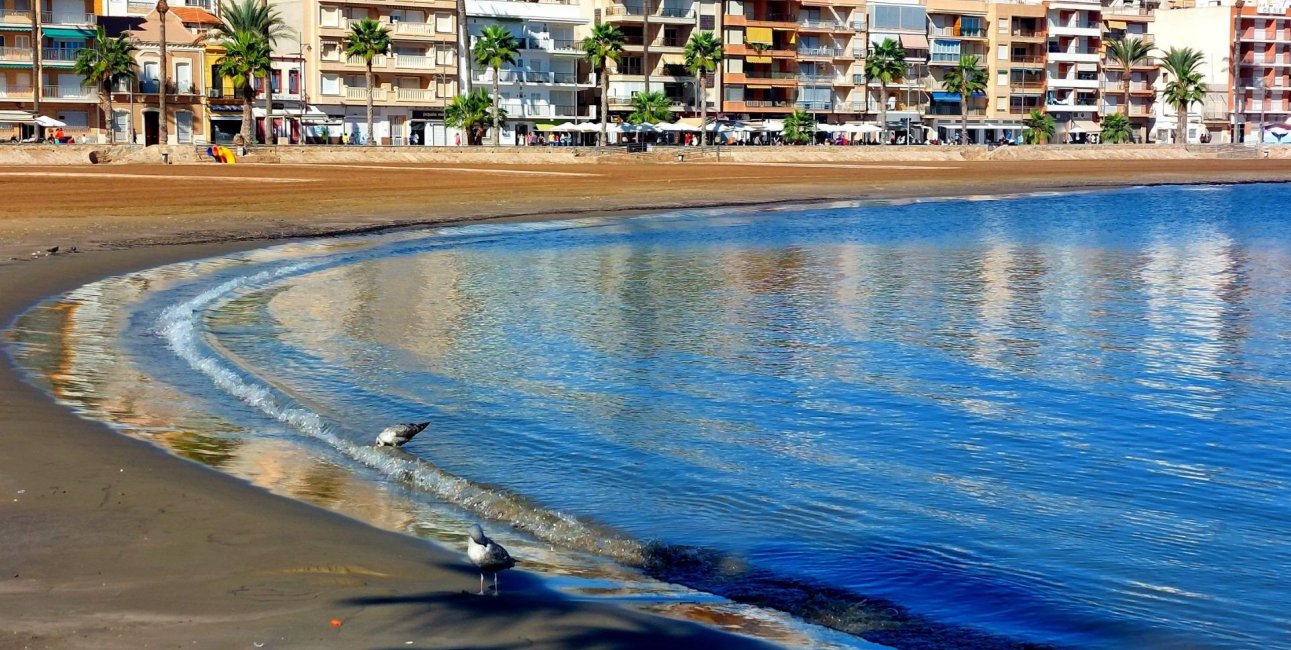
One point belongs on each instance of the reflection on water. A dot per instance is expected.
(1041, 421)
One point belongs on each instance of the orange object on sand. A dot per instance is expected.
(336, 622)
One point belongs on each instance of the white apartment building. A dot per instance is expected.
(541, 90)
(1209, 30)
(1075, 29)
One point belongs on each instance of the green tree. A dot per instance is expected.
(965, 79)
(246, 56)
(256, 17)
(1127, 53)
(605, 44)
(703, 53)
(798, 127)
(472, 113)
(1039, 127)
(1186, 86)
(1116, 129)
(494, 48)
(104, 63)
(885, 64)
(368, 39)
(651, 108)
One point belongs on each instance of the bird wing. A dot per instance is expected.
(496, 557)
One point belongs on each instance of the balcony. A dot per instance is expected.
(821, 52)
(1029, 60)
(1076, 28)
(563, 46)
(414, 62)
(16, 55)
(403, 28)
(963, 32)
(823, 25)
(532, 77)
(1072, 82)
(67, 18)
(944, 110)
(415, 95)
(1074, 55)
(1034, 86)
(378, 61)
(17, 92)
(361, 93)
(813, 106)
(1029, 34)
(15, 17)
(153, 86)
(78, 93)
(60, 56)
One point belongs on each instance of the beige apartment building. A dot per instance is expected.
(412, 84)
(670, 26)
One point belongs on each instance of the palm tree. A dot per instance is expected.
(463, 42)
(798, 127)
(103, 64)
(886, 64)
(471, 112)
(1116, 129)
(1039, 127)
(966, 79)
(703, 52)
(605, 44)
(368, 39)
(649, 108)
(256, 17)
(1128, 53)
(495, 47)
(246, 56)
(1186, 88)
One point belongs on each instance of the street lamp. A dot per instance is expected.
(163, 137)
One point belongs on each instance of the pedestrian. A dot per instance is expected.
(457, 139)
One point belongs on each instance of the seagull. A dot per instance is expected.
(488, 555)
(397, 435)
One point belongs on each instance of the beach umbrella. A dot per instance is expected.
(678, 127)
(47, 121)
(566, 127)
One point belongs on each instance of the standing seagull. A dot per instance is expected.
(488, 555)
(397, 435)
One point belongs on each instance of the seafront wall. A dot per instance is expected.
(129, 154)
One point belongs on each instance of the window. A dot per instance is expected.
(1002, 52)
(275, 80)
(329, 16)
(707, 23)
(293, 81)
(444, 23)
(331, 84)
(890, 17)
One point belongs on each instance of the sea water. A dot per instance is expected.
(1048, 420)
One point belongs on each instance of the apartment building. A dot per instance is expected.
(38, 47)
(1209, 30)
(1261, 85)
(1075, 30)
(412, 83)
(541, 90)
(137, 103)
(905, 22)
(655, 50)
(958, 28)
(1124, 19)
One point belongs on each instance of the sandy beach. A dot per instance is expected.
(112, 543)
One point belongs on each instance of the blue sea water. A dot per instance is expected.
(1057, 420)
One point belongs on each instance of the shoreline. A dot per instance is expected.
(132, 547)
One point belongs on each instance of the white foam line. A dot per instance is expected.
(835, 165)
(251, 179)
(480, 170)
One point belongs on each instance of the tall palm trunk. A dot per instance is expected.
(463, 48)
(497, 136)
(371, 142)
(112, 131)
(645, 43)
(163, 133)
(1181, 136)
(883, 110)
(248, 97)
(605, 103)
(1125, 79)
(703, 109)
(963, 113)
(270, 136)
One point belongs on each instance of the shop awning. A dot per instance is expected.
(67, 32)
(16, 117)
(1083, 126)
(758, 35)
(914, 41)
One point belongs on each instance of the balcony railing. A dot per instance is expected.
(525, 76)
(67, 18)
(361, 92)
(1028, 33)
(1027, 59)
(821, 24)
(676, 12)
(564, 45)
(768, 103)
(378, 61)
(153, 86)
(11, 16)
(414, 61)
(820, 51)
(19, 54)
(969, 32)
(68, 92)
(60, 54)
(774, 74)
(414, 29)
(1026, 85)
(415, 94)
(813, 106)
(16, 92)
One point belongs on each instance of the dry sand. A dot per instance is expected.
(111, 543)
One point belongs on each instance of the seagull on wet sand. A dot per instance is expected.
(397, 435)
(488, 555)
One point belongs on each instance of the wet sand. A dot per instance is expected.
(112, 543)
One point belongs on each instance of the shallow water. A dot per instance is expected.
(1047, 420)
